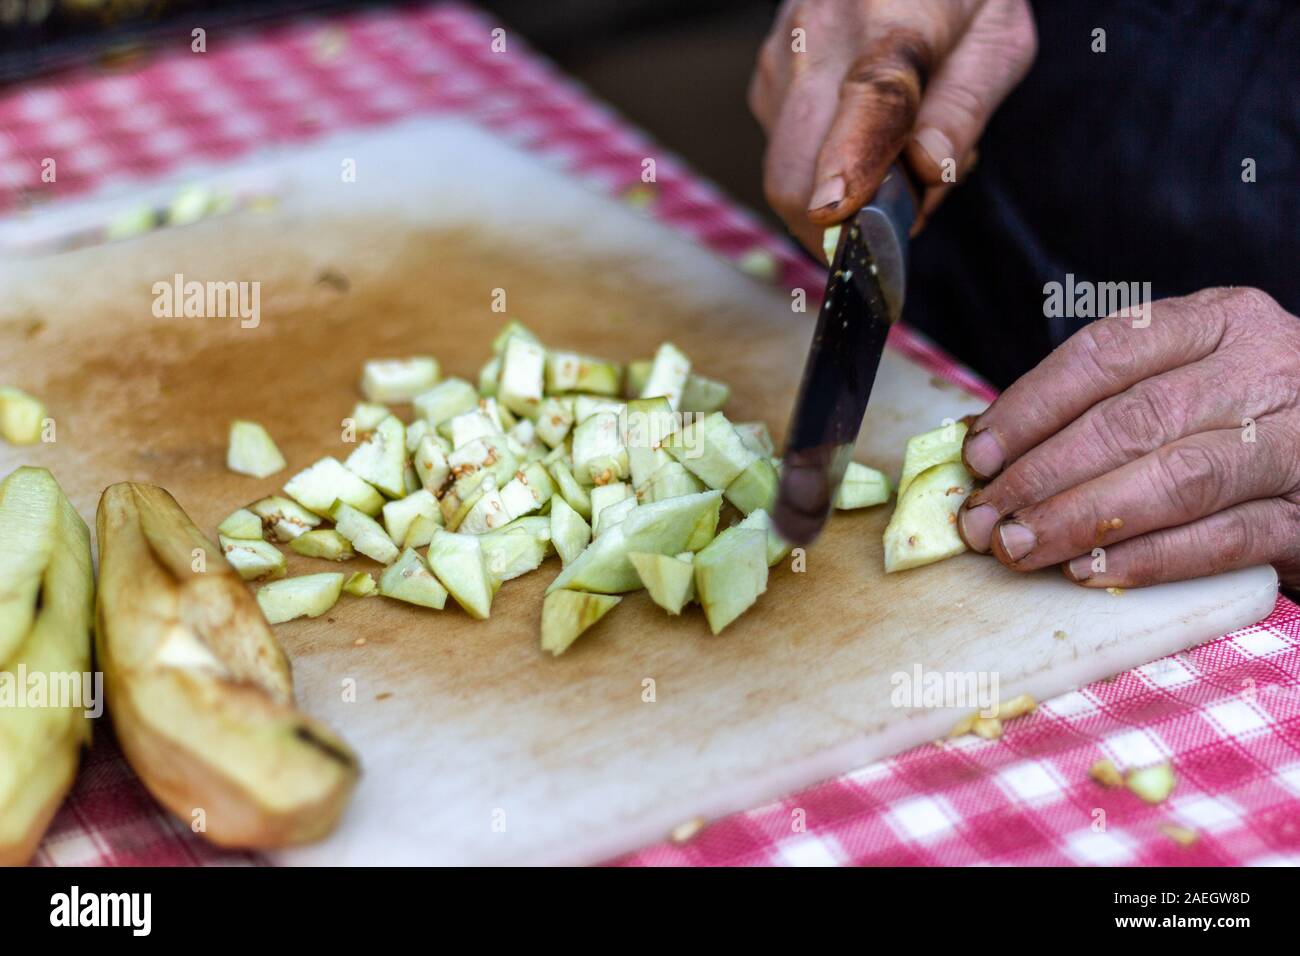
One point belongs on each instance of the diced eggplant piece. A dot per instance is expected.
(554, 420)
(604, 496)
(756, 438)
(704, 396)
(242, 524)
(416, 431)
(512, 329)
(939, 446)
(671, 480)
(730, 574)
(599, 456)
(22, 415)
(584, 406)
(366, 534)
(471, 425)
(570, 489)
(459, 563)
(460, 497)
(569, 533)
(318, 487)
(489, 377)
(646, 423)
(755, 487)
(498, 413)
(445, 401)
(777, 547)
(251, 451)
(254, 560)
(309, 595)
(638, 373)
(421, 531)
(862, 487)
(668, 375)
(566, 614)
(486, 514)
(323, 543)
(571, 372)
(685, 523)
(284, 519)
(380, 460)
(410, 580)
(923, 528)
(400, 515)
(523, 433)
(366, 416)
(760, 263)
(523, 375)
(831, 242)
(488, 454)
(360, 584)
(670, 580)
(398, 380)
(527, 491)
(514, 550)
(613, 515)
(711, 450)
(431, 465)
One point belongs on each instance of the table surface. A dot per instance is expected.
(1225, 713)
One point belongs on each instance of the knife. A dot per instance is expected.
(864, 297)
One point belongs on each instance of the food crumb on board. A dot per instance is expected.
(359, 642)
(990, 728)
(1106, 773)
(1115, 592)
(1183, 836)
(384, 696)
(1058, 635)
(1152, 784)
(685, 832)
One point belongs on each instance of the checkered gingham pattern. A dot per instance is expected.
(1227, 713)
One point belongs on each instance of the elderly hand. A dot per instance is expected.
(866, 79)
(1133, 456)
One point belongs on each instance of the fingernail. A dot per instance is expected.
(976, 526)
(830, 192)
(983, 454)
(1080, 569)
(1017, 540)
(936, 145)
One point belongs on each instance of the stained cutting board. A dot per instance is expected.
(464, 726)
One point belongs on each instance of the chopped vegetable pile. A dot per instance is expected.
(546, 455)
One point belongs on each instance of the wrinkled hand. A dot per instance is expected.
(876, 77)
(1174, 449)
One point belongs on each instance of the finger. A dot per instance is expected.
(1255, 532)
(804, 119)
(1100, 360)
(771, 74)
(1202, 397)
(990, 60)
(1181, 482)
(878, 103)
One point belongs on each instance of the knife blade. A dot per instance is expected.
(864, 297)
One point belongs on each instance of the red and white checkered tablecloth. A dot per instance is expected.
(1227, 713)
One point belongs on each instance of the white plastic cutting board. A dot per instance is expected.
(477, 748)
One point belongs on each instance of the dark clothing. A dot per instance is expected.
(1123, 166)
